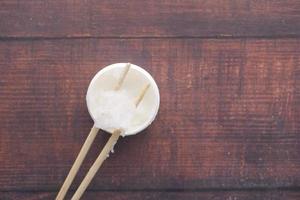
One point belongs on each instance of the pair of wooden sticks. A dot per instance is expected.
(103, 154)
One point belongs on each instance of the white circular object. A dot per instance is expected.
(106, 80)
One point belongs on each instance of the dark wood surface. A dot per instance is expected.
(229, 121)
(216, 195)
(135, 18)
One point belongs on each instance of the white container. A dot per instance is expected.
(106, 80)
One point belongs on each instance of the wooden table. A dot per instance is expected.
(229, 77)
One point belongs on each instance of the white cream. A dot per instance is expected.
(112, 110)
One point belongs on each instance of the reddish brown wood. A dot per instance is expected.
(250, 195)
(229, 115)
(112, 18)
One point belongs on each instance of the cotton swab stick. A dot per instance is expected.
(97, 164)
(142, 94)
(103, 155)
(121, 80)
(85, 148)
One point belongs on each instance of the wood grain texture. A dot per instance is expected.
(135, 18)
(229, 115)
(231, 195)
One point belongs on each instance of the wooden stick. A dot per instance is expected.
(122, 78)
(97, 164)
(104, 153)
(142, 94)
(84, 149)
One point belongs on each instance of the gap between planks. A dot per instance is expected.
(32, 38)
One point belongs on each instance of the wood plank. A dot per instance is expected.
(168, 18)
(229, 116)
(231, 195)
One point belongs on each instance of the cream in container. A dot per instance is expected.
(113, 109)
